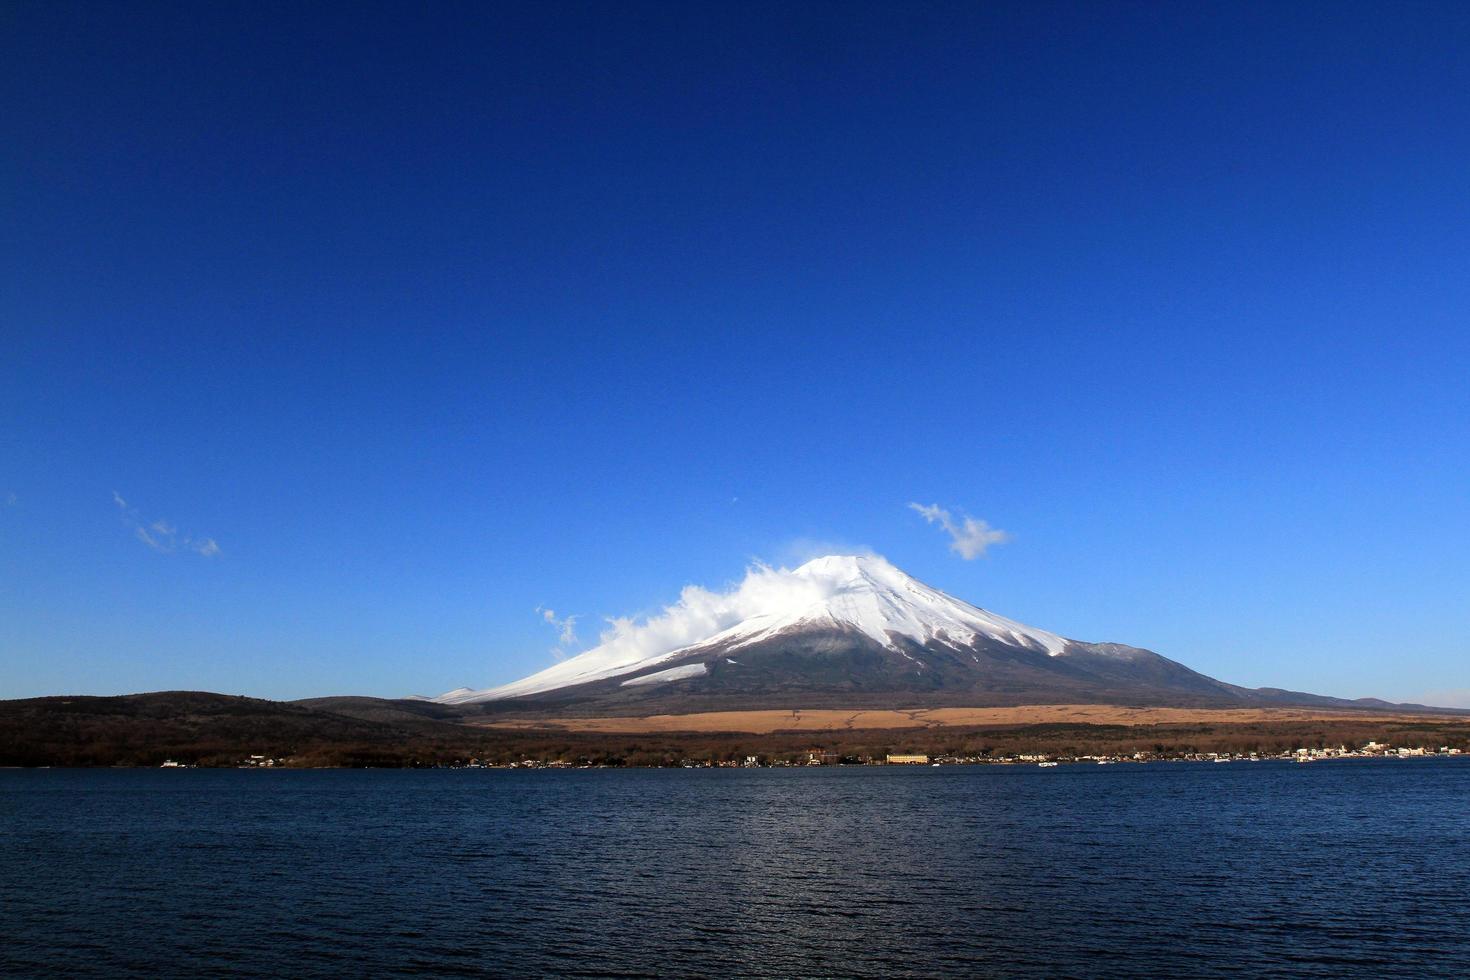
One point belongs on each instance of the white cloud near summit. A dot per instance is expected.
(700, 613)
(970, 537)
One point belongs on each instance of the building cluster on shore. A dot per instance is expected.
(249, 762)
(1370, 750)
(822, 756)
(828, 757)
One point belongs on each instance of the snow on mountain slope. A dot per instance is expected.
(864, 593)
(664, 676)
(878, 599)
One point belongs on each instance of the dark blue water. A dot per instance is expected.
(1271, 869)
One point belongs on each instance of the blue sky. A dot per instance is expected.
(408, 321)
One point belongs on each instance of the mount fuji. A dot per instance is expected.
(855, 631)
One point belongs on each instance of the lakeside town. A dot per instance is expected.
(824, 757)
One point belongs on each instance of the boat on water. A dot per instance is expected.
(1048, 765)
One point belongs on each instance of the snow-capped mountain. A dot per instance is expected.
(844, 628)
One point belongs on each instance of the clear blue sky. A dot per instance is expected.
(428, 315)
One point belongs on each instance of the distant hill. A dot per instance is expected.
(411, 712)
(214, 729)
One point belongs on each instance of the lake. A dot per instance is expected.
(1269, 869)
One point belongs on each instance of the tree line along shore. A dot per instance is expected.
(201, 729)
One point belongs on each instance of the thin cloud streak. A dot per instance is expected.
(161, 535)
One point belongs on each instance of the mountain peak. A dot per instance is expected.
(870, 594)
(867, 566)
(846, 561)
(843, 594)
(855, 632)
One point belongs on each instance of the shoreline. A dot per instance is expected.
(1070, 763)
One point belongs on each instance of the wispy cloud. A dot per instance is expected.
(566, 630)
(970, 537)
(161, 535)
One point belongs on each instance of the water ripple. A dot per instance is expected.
(1358, 868)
